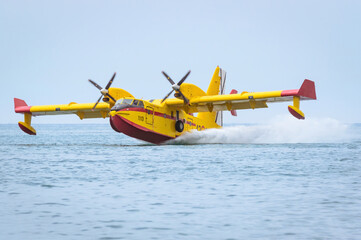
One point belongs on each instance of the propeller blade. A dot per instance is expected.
(169, 79)
(167, 96)
(184, 78)
(110, 82)
(111, 97)
(176, 86)
(97, 103)
(185, 99)
(95, 84)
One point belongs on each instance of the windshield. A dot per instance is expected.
(127, 101)
(123, 103)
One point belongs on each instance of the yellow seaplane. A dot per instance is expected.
(159, 120)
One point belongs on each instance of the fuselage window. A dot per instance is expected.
(135, 102)
(141, 104)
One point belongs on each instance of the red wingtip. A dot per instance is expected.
(19, 102)
(20, 106)
(308, 89)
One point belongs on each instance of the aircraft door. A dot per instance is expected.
(149, 115)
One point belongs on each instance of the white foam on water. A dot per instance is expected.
(281, 129)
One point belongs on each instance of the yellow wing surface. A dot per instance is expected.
(82, 110)
(248, 100)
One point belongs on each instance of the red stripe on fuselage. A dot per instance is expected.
(23, 109)
(158, 114)
(286, 93)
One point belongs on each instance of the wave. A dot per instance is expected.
(281, 129)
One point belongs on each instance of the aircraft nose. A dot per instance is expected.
(113, 124)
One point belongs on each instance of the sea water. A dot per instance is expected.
(282, 180)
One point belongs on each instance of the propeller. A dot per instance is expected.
(103, 91)
(176, 87)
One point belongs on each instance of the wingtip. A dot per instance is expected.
(20, 106)
(308, 89)
(19, 102)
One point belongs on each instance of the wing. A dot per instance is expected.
(83, 110)
(249, 100)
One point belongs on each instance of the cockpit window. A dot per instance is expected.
(127, 101)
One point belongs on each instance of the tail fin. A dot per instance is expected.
(216, 86)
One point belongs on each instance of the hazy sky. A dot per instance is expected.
(49, 50)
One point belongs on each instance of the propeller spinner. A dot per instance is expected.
(103, 91)
(176, 87)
